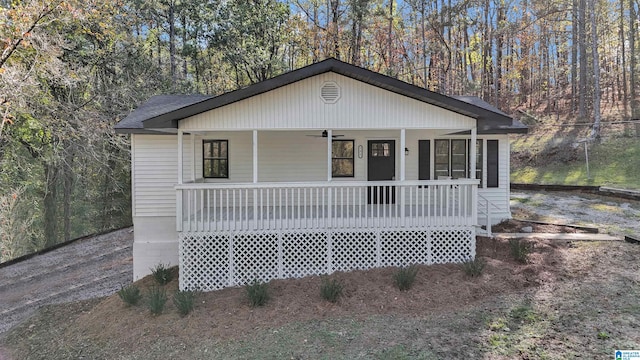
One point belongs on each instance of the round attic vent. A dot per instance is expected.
(330, 92)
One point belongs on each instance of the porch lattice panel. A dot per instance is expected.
(211, 261)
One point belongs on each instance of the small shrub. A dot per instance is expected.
(405, 277)
(157, 299)
(603, 335)
(474, 267)
(162, 274)
(520, 250)
(258, 293)
(331, 289)
(184, 300)
(130, 294)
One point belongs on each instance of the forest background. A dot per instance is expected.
(70, 69)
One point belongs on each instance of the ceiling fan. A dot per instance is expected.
(325, 134)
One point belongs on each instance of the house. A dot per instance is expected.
(328, 167)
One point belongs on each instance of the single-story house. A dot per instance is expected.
(325, 168)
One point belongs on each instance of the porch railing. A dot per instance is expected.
(321, 205)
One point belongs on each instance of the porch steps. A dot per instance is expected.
(561, 236)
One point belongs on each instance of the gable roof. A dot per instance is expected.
(164, 111)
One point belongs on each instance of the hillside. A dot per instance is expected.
(552, 153)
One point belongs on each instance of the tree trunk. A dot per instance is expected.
(172, 42)
(582, 44)
(632, 64)
(68, 190)
(625, 99)
(574, 56)
(50, 212)
(595, 130)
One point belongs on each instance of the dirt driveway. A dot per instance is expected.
(85, 269)
(611, 215)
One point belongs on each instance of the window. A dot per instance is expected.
(492, 163)
(441, 158)
(452, 158)
(459, 158)
(215, 158)
(380, 150)
(342, 158)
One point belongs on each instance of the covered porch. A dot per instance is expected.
(231, 233)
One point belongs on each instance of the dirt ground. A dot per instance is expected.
(569, 299)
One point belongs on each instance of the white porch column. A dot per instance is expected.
(255, 179)
(472, 166)
(193, 157)
(473, 154)
(179, 192)
(255, 156)
(403, 145)
(180, 154)
(329, 152)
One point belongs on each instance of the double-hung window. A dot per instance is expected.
(452, 157)
(342, 158)
(215, 158)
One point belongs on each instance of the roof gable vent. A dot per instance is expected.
(330, 92)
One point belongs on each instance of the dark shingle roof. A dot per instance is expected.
(156, 106)
(164, 113)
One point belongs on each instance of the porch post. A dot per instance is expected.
(474, 189)
(329, 172)
(180, 151)
(179, 191)
(255, 179)
(473, 155)
(255, 156)
(329, 148)
(193, 157)
(403, 145)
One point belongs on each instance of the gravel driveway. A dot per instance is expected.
(611, 215)
(85, 269)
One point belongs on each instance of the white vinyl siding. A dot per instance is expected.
(299, 106)
(155, 173)
(499, 196)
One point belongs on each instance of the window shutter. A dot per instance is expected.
(424, 160)
(492, 163)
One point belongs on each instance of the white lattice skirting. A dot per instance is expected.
(211, 261)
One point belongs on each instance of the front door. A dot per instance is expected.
(381, 166)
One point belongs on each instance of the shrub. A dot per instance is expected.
(157, 299)
(405, 277)
(331, 289)
(474, 267)
(520, 250)
(258, 293)
(162, 274)
(130, 294)
(184, 300)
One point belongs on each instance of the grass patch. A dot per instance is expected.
(257, 293)
(524, 314)
(614, 163)
(161, 274)
(184, 301)
(331, 289)
(520, 250)
(474, 268)
(405, 277)
(130, 294)
(157, 299)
